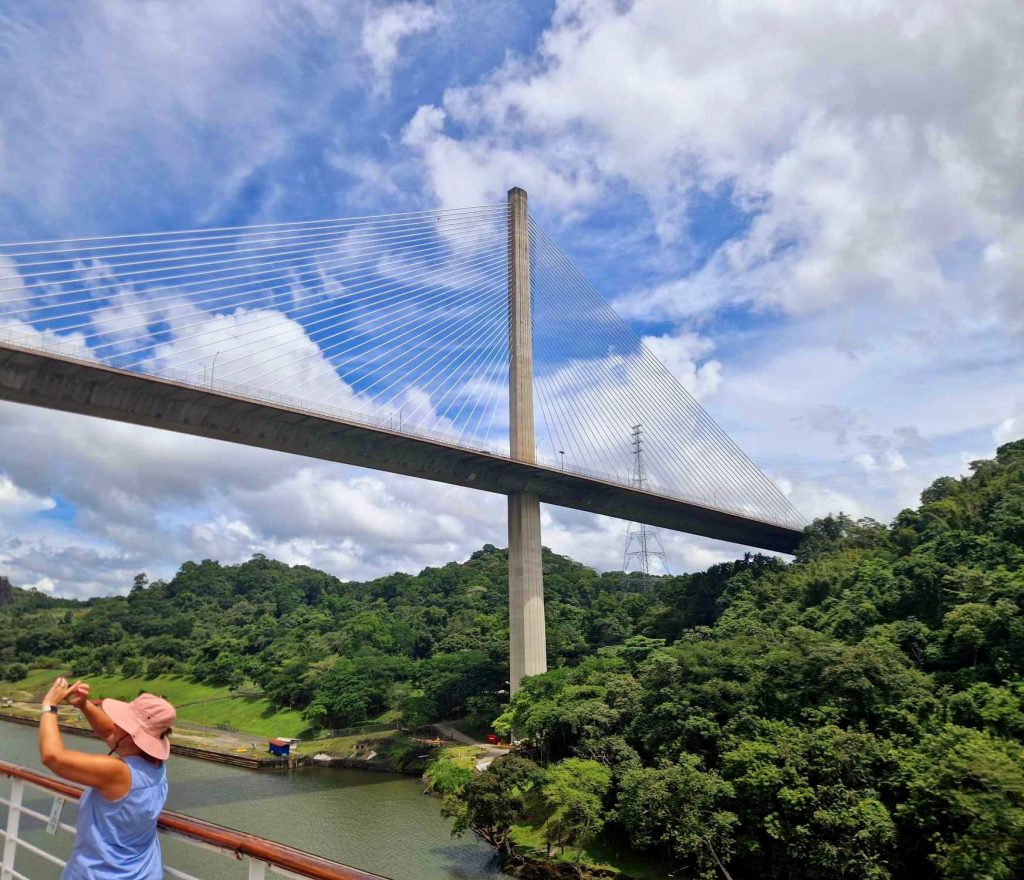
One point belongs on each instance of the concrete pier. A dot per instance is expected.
(527, 638)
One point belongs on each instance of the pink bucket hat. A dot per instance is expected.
(144, 719)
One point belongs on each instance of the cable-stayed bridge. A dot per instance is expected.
(461, 346)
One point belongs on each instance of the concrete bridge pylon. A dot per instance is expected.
(527, 638)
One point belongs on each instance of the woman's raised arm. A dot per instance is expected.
(110, 776)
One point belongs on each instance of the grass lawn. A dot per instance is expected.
(32, 685)
(198, 703)
(343, 746)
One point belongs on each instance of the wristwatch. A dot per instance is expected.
(48, 708)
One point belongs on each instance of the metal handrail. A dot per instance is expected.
(260, 853)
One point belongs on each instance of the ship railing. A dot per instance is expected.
(263, 857)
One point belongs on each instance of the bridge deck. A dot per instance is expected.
(63, 383)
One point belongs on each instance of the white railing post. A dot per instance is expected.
(257, 869)
(11, 832)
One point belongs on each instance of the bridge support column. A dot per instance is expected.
(527, 639)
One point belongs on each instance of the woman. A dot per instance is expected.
(116, 835)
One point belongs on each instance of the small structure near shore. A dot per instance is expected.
(279, 747)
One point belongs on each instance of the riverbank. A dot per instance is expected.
(75, 728)
(388, 751)
(243, 721)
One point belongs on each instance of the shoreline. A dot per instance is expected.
(176, 748)
(248, 762)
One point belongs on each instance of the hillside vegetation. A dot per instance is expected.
(856, 713)
(331, 654)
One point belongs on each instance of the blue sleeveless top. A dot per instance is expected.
(117, 840)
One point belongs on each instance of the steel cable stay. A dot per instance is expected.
(392, 290)
(469, 333)
(474, 362)
(481, 321)
(612, 437)
(540, 281)
(384, 291)
(374, 252)
(431, 296)
(498, 275)
(490, 420)
(498, 209)
(500, 352)
(231, 255)
(353, 353)
(653, 367)
(631, 342)
(316, 231)
(469, 299)
(674, 386)
(443, 383)
(574, 420)
(176, 363)
(352, 300)
(700, 483)
(591, 427)
(604, 439)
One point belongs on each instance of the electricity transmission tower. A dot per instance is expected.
(643, 543)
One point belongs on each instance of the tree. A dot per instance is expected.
(448, 775)
(683, 808)
(804, 802)
(574, 791)
(493, 801)
(14, 672)
(962, 804)
(342, 698)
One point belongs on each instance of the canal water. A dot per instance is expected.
(375, 821)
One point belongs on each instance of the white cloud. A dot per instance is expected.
(18, 502)
(161, 104)
(868, 140)
(685, 356)
(384, 30)
(601, 541)
(1010, 428)
(44, 585)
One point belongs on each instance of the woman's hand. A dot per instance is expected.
(78, 696)
(57, 692)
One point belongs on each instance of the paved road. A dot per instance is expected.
(486, 756)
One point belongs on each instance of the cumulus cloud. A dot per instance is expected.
(16, 502)
(164, 104)
(1010, 428)
(383, 32)
(685, 355)
(820, 113)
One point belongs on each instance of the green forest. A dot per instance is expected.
(858, 712)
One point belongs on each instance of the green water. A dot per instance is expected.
(374, 821)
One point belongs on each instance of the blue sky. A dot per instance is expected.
(813, 214)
